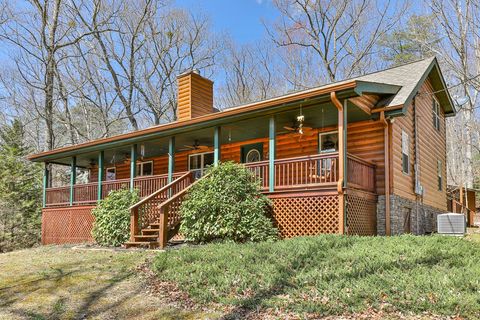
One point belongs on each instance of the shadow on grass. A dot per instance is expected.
(76, 299)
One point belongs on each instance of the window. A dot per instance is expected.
(436, 114)
(439, 175)
(253, 156)
(145, 168)
(328, 142)
(110, 174)
(251, 152)
(198, 162)
(405, 153)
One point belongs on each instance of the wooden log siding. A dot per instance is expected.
(431, 147)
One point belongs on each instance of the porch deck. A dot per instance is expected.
(319, 171)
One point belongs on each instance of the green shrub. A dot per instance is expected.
(112, 218)
(226, 205)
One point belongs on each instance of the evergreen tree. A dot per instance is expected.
(417, 40)
(20, 191)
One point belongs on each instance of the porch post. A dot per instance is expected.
(341, 161)
(216, 146)
(101, 169)
(73, 179)
(271, 152)
(45, 183)
(345, 161)
(171, 158)
(133, 166)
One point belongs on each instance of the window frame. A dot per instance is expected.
(202, 161)
(405, 156)
(436, 114)
(320, 134)
(439, 175)
(114, 172)
(139, 168)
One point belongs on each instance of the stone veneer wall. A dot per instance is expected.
(423, 218)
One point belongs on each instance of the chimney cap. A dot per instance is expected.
(189, 71)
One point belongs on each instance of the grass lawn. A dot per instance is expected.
(333, 275)
(58, 282)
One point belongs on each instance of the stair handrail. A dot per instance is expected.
(163, 233)
(134, 208)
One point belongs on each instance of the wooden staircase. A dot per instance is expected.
(156, 219)
(148, 237)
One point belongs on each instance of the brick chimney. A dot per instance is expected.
(195, 95)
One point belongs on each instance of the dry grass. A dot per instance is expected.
(58, 282)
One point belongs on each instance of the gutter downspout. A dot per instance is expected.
(416, 167)
(386, 138)
(341, 162)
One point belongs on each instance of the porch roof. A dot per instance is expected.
(395, 88)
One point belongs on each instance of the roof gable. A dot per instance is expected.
(410, 78)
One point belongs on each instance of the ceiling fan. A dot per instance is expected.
(298, 126)
(196, 146)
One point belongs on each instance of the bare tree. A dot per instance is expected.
(250, 73)
(40, 30)
(460, 53)
(341, 35)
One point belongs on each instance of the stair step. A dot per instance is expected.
(146, 237)
(150, 231)
(155, 225)
(141, 244)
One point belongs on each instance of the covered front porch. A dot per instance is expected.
(318, 171)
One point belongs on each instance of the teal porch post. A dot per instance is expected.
(133, 166)
(216, 146)
(101, 170)
(45, 183)
(271, 152)
(171, 158)
(73, 179)
(345, 162)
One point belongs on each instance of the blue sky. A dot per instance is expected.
(242, 19)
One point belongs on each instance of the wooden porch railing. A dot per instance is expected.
(147, 210)
(320, 170)
(85, 193)
(58, 196)
(300, 172)
(360, 174)
(88, 193)
(260, 170)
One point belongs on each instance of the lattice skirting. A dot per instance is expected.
(67, 225)
(306, 214)
(361, 213)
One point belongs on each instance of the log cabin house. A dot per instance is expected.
(362, 156)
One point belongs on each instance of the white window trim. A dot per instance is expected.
(114, 172)
(139, 165)
(202, 160)
(320, 134)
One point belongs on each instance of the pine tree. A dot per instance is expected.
(20, 191)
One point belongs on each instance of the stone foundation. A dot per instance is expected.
(407, 216)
